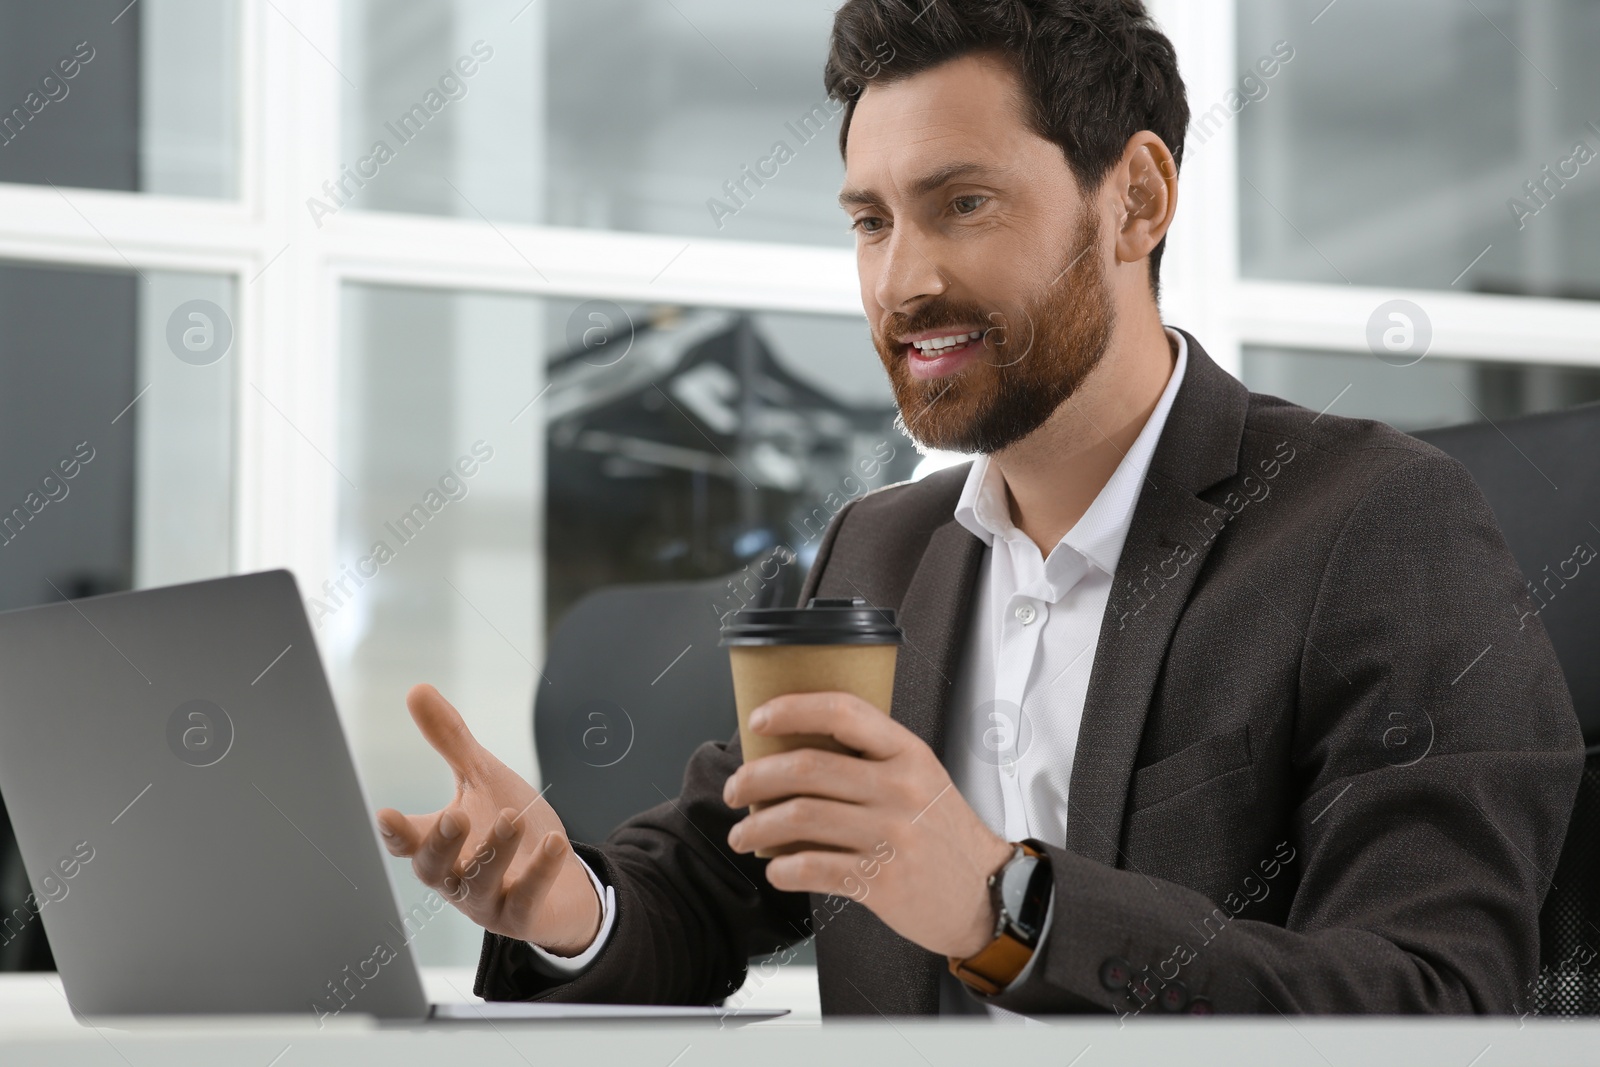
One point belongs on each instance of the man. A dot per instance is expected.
(1269, 735)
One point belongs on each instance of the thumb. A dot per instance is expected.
(441, 724)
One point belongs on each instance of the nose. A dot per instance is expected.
(907, 273)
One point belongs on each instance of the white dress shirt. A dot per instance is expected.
(1018, 697)
(1012, 727)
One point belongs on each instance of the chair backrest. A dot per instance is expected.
(636, 682)
(1541, 475)
(1569, 924)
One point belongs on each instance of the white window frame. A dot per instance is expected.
(289, 272)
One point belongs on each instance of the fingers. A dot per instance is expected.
(837, 873)
(402, 834)
(803, 772)
(843, 716)
(808, 820)
(525, 894)
(441, 724)
(477, 882)
(435, 859)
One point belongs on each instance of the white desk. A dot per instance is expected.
(37, 1028)
(36, 1000)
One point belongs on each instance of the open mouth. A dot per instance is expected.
(935, 357)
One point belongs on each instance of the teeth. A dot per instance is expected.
(936, 345)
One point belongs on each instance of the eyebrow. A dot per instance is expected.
(920, 187)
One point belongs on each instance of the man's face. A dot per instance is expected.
(970, 226)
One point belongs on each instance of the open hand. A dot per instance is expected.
(498, 852)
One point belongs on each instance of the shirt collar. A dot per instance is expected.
(1099, 534)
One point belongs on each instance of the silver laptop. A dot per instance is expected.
(192, 824)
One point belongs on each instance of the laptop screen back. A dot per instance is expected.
(188, 811)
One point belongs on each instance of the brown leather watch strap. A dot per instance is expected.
(999, 963)
(996, 967)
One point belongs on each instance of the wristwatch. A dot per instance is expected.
(1020, 893)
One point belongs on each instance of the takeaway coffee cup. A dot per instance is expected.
(832, 644)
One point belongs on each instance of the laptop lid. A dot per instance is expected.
(188, 811)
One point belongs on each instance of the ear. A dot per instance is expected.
(1145, 184)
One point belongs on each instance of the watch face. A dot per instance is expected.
(1015, 881)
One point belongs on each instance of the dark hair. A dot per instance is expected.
(1094, 72)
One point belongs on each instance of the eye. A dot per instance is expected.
(966, 205)
(868, 224)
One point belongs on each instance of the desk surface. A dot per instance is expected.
(37, 1028)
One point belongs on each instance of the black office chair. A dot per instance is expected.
(637, 682)
(1541, 475)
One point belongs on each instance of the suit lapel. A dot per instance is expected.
(934, 618)
(1171, 534)
(1141, 614)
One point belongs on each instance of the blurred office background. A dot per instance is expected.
(283, 263)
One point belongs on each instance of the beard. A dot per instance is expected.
(1032, 362)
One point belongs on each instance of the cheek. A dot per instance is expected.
(1056, 256)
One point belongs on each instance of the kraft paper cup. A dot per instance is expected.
(832, 644)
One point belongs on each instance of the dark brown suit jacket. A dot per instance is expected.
(1321, 768)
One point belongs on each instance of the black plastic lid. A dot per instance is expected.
(823, 621)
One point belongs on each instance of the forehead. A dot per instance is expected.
(969, 108)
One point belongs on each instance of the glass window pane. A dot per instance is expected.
(704, 117)
(722, 436)
(605, 444)
(448, 114)
(1420, 396)
(142, 98)
(183, 507)
(135, 370)
(1402, 142)
(698, 117)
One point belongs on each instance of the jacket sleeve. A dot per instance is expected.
(690, 911)
(1421, 870)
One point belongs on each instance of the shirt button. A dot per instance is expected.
(1027, 614)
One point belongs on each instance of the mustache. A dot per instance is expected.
(938, 316)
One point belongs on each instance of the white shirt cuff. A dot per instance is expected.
(572, 966)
